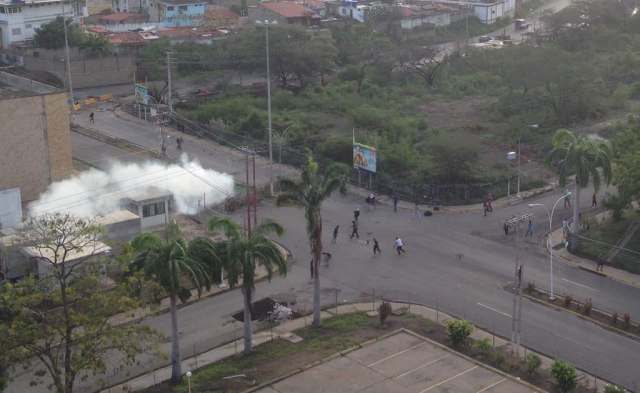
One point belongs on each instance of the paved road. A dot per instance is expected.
(457, 262)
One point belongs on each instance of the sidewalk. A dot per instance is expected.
(282, 331)
(623, 276)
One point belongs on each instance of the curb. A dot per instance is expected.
(584, 317)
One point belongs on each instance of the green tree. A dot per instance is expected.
(583, 157)
(241, 254)
(614, 389)
(310, 192)
(533, 362)
(51, 35)
(60, 322)
(95, 45)
(172, 263)
(458, 330)
(565, 375)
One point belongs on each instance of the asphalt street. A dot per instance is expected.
(459, 263)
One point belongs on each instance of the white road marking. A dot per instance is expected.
(449, 379)
(580, 285)
(419, 367)
(492, 385)
(396, 354)
(494, 310)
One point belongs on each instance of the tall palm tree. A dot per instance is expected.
(583, 157)
(172, 262)
(241, 254)
(313, 188)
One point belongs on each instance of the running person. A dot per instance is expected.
(399, 246)
(376, 247)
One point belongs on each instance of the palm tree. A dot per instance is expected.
(241, 254)
(584, 157)
(312, 189)
(172, 263)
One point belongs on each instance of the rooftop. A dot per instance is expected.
(151, 193)
(115, 217)
(182, 2)
(121, 17)
(92, 248)
(287, 9)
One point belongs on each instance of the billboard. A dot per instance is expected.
(142, 94)
(364, 157)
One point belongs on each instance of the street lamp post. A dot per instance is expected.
(266, 24)
(189, 380)
(549, 245)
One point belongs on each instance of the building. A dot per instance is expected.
(130, 5)
(178, 12)
(221, 17)
(20, 19)
(430, 15)
(358, 10)
(41, 260)
(152, 205)
(36, 144)
(284, 12)
(488, 11)
(121, 18)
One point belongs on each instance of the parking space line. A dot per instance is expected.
(494, 310)
(449, 379)
(419, 367)
(397, 354)
(492, 385)
(580, 285)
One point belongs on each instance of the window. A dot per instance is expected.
(153, 209)
(170, 8)
(27, 26)
(16, 31)
(1, 10)
(182, 8)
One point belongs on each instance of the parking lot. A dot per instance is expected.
(400, 363)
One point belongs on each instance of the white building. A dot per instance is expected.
(488, 11)
(20, 19)
(152, 205)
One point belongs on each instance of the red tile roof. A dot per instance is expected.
(120, 17)
(287, 9)
(125, 38)
(221, 13)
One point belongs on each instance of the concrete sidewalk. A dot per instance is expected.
(282, 331)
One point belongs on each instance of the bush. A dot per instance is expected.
(531, 287)
(533, 363)
(565, 375)
(568, 300)
(458, 331)
(499, 359)
(614, 318)
(614, 389)
(627, 320)
(588, 305)
(384, 311)
(483, 347)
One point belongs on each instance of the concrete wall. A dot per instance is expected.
(26, 84)
(91, 72)
(36, 145)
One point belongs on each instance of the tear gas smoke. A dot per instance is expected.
(96, 192)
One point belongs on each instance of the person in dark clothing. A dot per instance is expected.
(505, 227)
(335, 234)
(395, 202)
(179, 141)
(485, 207)
(356, 214)
(376, 247)
(92, 118)
(594, 200)
(354, 230)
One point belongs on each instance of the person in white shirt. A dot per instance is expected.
(399, 246)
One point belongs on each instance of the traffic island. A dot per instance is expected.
(620, 323)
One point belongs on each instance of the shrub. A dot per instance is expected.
(614, 389)
(499, 359)
(565, 375)
(614, 318)
(483, 347)
(384, 311)
(533, 363)
(531, 287)
(568, 300)
(458, 330)
(627, 320)
(588, 305)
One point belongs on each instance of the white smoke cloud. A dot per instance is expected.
(95, 192)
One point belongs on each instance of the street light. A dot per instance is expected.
(549, 245)
(189, 380)
(266, 23)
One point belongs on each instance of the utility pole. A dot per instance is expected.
(516, 316)
(518, 190)
(269, 110)
(67, 56)
(170, 98)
